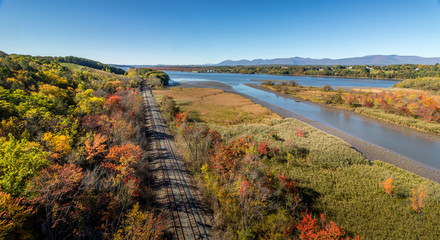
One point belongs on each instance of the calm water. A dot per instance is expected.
(421, 149)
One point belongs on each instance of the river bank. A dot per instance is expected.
(336, 99)
(371, 151)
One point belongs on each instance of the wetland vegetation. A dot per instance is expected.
(268, 178)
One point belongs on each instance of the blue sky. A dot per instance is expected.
(205, 31)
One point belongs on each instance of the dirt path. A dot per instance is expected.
(175, 191)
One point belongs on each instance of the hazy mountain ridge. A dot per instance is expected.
(366, 60)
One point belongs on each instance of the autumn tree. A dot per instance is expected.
(388, 186)
(122, 159)
(57, 190)
(59, 144)
(141, 225)
(94, 149)
(20, 160)
(418, 197)
(13, 214)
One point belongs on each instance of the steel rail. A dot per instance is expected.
(188, 221)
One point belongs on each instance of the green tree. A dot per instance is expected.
(20, 160)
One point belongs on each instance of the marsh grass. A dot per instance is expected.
(340, 182)
(325, 150)
(335, 179)
(401, 120)
(216, 106)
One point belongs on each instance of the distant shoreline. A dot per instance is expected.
(286, 75)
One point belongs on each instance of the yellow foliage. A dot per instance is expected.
(141, 225)
(59, 144)
(11, 80)
(52, 77)
(10, 125)
(52, 91)
(12, 213)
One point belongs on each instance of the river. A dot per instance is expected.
(418, 147)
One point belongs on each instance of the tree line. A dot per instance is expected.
(405, 71)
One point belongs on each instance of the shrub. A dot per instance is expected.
(141, 225)
(388, 186)
(418, 197)
(311, 230)
(327, 88)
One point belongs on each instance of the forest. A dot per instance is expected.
(72, 151)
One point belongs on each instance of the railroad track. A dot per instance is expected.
(186, 220)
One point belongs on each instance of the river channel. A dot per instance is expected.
(421, 148)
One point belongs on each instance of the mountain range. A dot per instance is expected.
(366, 60)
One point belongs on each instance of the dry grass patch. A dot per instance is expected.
(217, 106)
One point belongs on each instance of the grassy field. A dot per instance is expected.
(217, 106)
(331, 176)
(73, 66)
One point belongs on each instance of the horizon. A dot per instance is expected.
(198, 33)
(215, 64)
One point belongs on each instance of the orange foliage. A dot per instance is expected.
(413, 104)
(95, 148)
(388, 186)
(122, 159)
(12, 213)
(57, 186)
(311, 230)
(113, 103)
(418, 198)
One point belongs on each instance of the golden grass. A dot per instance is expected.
(217, 106)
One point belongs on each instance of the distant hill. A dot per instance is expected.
(366, 60)
(89, 63)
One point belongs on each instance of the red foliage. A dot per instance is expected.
(244, 188)
(90, 122)
(263, 149)
(182, 118)
(288, 185)
(57, 186)
(113, 103)
(300, 132)
(311, 230)
(226, 157)
(122, 159)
